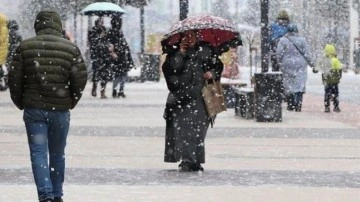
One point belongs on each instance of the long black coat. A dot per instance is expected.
(186, 118)
(99, 53)
(124, 62)
(14, 40)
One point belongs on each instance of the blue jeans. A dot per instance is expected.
(120, 80)
(47, 132)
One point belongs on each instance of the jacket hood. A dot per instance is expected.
(13, 25)
(330, 50)
(3, 20)
(48, 22)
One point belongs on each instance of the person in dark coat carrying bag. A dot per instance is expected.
(185, 70)
(46, 80)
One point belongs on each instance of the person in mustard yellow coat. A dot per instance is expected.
(4, 39)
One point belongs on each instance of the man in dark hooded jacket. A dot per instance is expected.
(47, 79)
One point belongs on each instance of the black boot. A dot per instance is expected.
(102, 92)
(327, 109)
(337, 109)
(185, 166)
(46, 200)
(58, 199)
(114, 94)
(93, 90)
(197, 167)
(121, 94)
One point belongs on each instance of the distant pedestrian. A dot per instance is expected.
(4, 43)
(331, 69)
(277, 29)
(186, 69)
(14, 40)
(47, 79)
(293, 56)
(356, 56)
(122, 61)
(99, 54)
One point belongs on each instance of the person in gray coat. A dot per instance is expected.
(185, 70)
(293, 55)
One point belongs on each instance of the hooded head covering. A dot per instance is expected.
(13, 25)
(330, 50)
(283, 15)
(48, 22)
(99, 20)
(116, 22)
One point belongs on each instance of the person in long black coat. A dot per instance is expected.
(14, 40)
(185, 70)
(99, 54)
(122, 61)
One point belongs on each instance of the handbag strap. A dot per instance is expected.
(297, 48)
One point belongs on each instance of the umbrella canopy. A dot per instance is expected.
(219, 32)
(102, 8)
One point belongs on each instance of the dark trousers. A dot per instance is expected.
(119, 81)
(331, 89)
(294, 100)
(97, 75)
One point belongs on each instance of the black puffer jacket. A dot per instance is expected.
(48, 71)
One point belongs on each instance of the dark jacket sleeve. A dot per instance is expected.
(172, 67)
(216, 68)
(78, 77)
(128, 58)
(211, 60)
(16, 80)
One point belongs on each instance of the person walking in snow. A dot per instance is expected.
(14, 40)
(99, 54)
(293, 56)
(277, 29)
(46, 79)
(331, 69)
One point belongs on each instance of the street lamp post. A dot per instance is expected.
(264, 36)
(267, 91)
(142, 29)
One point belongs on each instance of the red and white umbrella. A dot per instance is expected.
(217, 31)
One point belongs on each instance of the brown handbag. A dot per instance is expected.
(213, 98)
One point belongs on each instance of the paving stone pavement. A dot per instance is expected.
(115, 152)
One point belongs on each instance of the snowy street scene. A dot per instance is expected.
(174, 101)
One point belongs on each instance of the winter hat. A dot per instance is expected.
(293, 28)
(330, 50)
(283, 15)
(48, 19)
